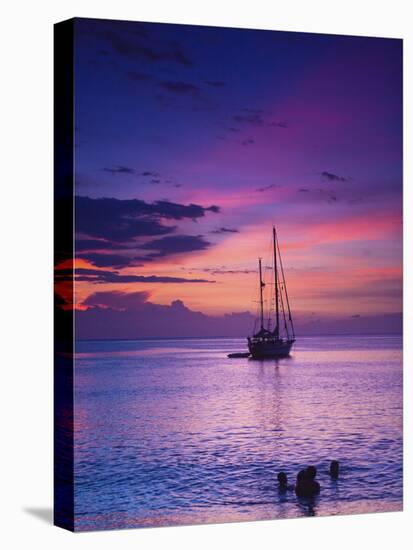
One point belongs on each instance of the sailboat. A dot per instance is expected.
(277, 343)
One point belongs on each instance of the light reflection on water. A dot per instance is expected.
(173, 432)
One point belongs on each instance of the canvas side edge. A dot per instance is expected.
(63, 280)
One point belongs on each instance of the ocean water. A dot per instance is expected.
(173, 432)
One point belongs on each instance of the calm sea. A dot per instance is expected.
(173, 432)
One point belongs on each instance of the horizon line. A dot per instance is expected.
(324, 335)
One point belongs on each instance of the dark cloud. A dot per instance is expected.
(82, 245)
(124, 315)
(232, 129)
(148, 173)
(117, 226)
(176, 244)
(390, 323)
(117, 220)
(225, 230)
(322, 195)
(131, 316)
(176, 211)
(326, 196)
(177, 54)
(120, 301)
(276, 124)
(255, 119)
(248, 141)
(100, 276)
(333, 177)
(221, 271)
(120, 170)
(116, 261)
(215, 83)
(178, 87)
(266, 188)
(136, 45)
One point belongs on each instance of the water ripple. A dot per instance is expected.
(174, 432)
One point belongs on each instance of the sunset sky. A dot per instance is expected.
(191, 142)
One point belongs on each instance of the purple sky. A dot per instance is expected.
(192, 141)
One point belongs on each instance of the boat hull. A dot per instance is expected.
(269, 348)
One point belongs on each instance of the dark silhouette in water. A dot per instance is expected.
(282, 481)
(301, 485)
(334, 469)
(307, 486)
(311, 472)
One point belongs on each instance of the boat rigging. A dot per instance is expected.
(275, 343)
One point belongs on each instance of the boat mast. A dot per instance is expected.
(261, 297)
(277, 313)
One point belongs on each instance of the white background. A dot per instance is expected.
(26, 269)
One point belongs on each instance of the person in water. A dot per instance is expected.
(283, 483)
(334, 469)
(311, 473)
(307, 486)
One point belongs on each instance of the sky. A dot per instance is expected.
(192, 142)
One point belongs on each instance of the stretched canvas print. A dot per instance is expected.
(228, 274)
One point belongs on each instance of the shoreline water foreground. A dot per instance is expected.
(193, 437)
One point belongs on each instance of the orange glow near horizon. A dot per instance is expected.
(316, 281)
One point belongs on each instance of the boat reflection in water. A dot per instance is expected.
(277, 343)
